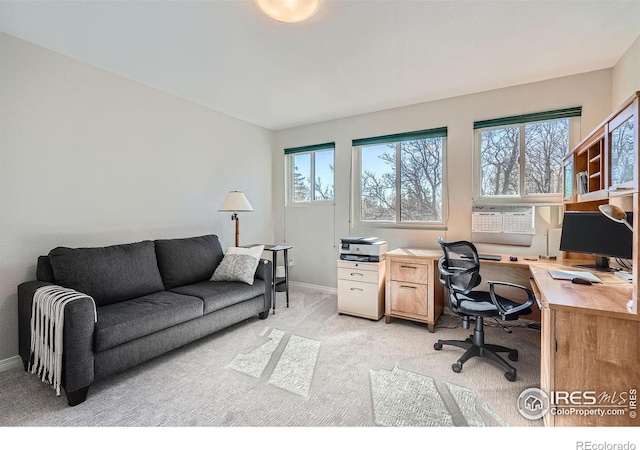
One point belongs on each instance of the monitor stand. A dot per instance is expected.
(601, 265)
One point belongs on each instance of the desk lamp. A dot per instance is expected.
(617, 214)
(236, 202)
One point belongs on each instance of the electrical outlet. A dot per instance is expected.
(290, 262)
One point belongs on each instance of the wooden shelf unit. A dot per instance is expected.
(609, 156)
(595, 347)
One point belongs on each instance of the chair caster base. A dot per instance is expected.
(457, 367)
(511, 376)
(437, 346)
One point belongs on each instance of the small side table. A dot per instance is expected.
(274, 249)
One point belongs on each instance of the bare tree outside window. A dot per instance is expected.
(546, 143)
(622, 153)
(499, 153)
(501, 150)
(324, 175)
(421, 174)
(419, 186)
(378, 186)
(312, 177)
(302, 178)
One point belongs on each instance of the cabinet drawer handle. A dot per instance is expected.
(356, 289)
(402, 286)
(408, 267)
(355, 273)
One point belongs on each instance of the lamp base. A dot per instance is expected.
(551, 258)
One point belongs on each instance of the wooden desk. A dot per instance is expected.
(589, 341)
(516, 272)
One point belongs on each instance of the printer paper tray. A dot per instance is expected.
(359, 258)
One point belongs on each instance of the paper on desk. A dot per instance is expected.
(570, 274)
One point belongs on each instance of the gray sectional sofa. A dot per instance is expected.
(151, 297)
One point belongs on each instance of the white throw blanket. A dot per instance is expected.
(47, 324)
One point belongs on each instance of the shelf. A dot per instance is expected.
(591, 196)
(595, 175)
(595, 158)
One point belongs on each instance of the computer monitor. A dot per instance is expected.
(595, 234)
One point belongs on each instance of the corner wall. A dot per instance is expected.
(626, 75)
(88, 158)
(315, 230)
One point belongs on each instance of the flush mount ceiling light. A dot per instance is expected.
(289, 11)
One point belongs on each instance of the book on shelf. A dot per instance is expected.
(582, 182)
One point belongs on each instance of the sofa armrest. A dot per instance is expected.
(265, 272)
(79, 325)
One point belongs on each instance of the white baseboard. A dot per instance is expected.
(10, 363)
(315, 287)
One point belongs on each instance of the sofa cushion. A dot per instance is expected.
(239, 264)
(189, 260)
(108, 274)
(125, 321)
(220, 294)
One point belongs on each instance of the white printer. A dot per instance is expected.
(357, 248)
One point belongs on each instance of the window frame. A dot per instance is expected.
(356, 187)
(311, 150)
(522, 197)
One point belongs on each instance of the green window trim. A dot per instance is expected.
(525, 118)
(310, 148)
(410, 136)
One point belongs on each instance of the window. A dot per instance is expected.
(311, 173)
(521, 156)
(400, 178)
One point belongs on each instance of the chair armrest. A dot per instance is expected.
(79, 324)
(513, 311)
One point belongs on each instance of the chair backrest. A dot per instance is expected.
(459, 267)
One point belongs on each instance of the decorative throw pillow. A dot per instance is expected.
(239, 264)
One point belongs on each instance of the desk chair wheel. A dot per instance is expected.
(513, 355)
(457, 368)
(511, 376)
(437, 346)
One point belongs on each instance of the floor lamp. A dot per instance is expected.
(236, 202)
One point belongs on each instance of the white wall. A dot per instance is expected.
(315, 231)
(88, 158)
(626, 75)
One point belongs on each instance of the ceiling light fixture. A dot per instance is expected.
(289, 11)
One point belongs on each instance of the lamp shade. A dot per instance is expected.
(235, 201)
(616, 214)
(289, 11)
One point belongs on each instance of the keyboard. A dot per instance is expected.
(489, 257)
(485, 256)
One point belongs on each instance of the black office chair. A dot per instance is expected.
(460, 273)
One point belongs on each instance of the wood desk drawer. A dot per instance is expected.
(409, 272)
(358, 298)
(365, 276)
(409, 298)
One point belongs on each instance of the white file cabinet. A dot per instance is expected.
(361, 288)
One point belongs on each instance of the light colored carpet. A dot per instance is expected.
(304, 366)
